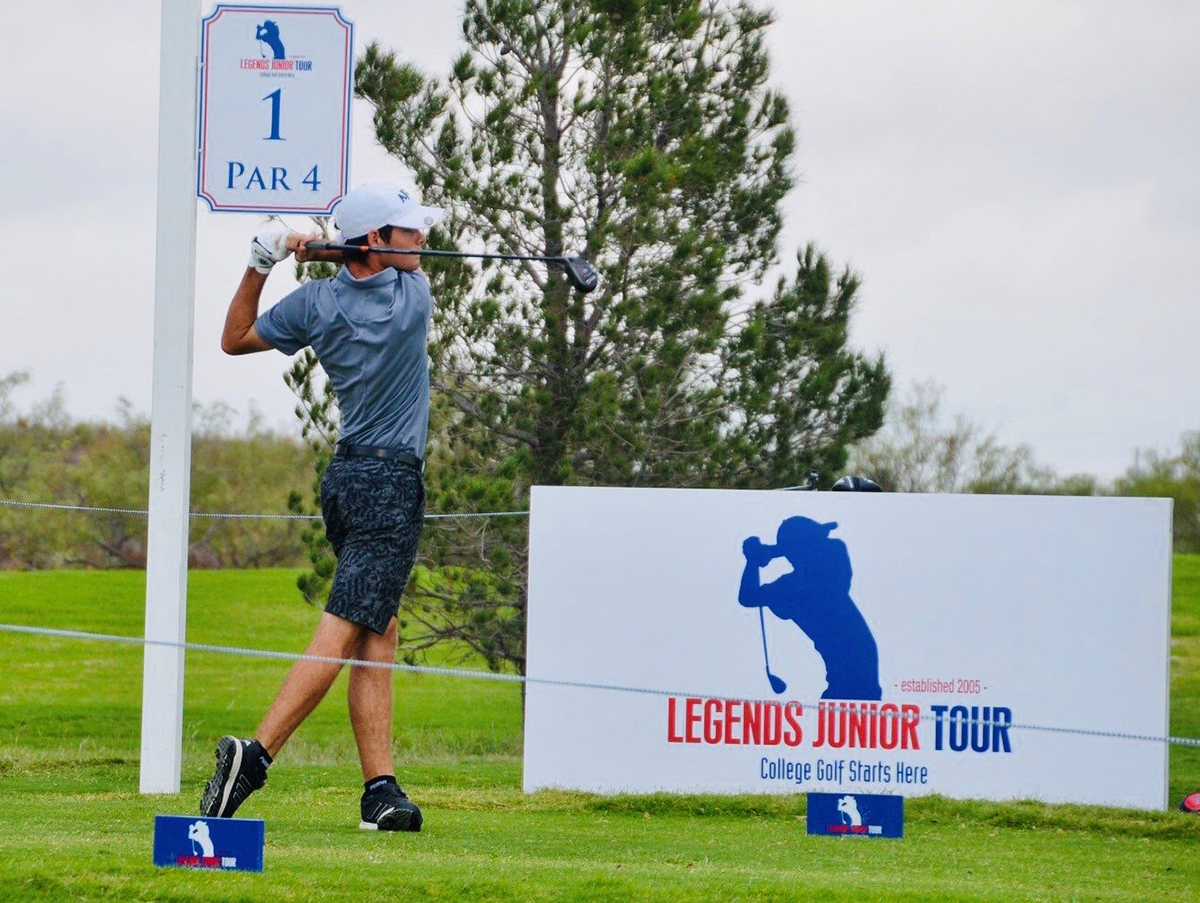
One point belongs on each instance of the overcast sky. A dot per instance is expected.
(1015, 181)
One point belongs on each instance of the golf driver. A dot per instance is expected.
(580, 273)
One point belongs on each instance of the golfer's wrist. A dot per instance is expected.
(269, 248)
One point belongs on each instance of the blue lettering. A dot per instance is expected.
(1001, 719)
(783, 770)
(981, 729)
(831, 771)
(256, 176)
(938, 712)
(911, 774)
(958, 728)
(279, 177)
(233, 175)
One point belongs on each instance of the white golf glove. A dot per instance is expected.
(268, 249)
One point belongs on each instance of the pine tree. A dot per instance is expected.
(644, 136)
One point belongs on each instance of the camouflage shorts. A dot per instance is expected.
(374, 510)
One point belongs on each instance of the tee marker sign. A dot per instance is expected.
(274, 109)
(221, 844)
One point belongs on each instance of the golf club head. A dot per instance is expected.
(777, 683)
(581, 274)
(856, 484)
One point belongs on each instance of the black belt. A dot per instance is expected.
(403, 455)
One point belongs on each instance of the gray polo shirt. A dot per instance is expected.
(369, 335)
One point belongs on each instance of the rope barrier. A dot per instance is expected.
(454, 672)
(551, 682)
(142, 512)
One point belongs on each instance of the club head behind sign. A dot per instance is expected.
(581, 274)
(223, 844)
(855, 815)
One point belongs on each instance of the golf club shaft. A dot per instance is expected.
(762, 623)
(331, 246)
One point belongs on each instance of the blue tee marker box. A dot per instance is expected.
(224, 844)
(855, 815)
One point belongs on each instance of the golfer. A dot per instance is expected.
(368, 326)
(815, 596)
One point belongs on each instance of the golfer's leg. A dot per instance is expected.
(371, 702)
(308, 682)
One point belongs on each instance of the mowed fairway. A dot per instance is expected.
(72, 825)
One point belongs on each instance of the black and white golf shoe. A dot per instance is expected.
(241, 769)
(388, 808)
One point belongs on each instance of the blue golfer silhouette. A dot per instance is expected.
(268, 33)
(816, 596)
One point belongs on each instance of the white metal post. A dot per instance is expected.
(171, 405)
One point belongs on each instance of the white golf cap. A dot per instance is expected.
(378, 204)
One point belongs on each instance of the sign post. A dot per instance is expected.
(264, 128)
(171, 404)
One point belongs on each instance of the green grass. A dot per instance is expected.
(72, 825)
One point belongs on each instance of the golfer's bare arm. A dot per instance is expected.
(240, 336)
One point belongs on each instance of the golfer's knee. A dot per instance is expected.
(390, 638)
(381, 647)
(335, 637)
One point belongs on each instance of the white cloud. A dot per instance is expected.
(1013, 179)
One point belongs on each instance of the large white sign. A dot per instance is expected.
(274, 113)
(871, 643)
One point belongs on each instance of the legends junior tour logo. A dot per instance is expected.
(268, 35)
(815, 596)
(855, 815)
(272, 54)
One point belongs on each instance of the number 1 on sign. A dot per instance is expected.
(274, 97)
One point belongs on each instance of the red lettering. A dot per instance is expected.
(690, 719)
(908, 727)
(835, 723)
(672, 737)
(712, 721)
(773, 728)
(752, 732)
(794, 734)
(858, 725)
(737, 723)
(732, 718)
(889, 726)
